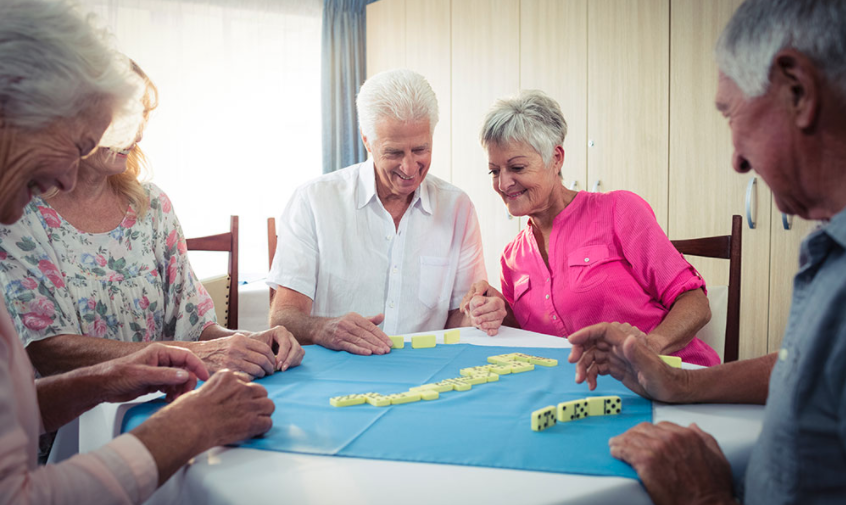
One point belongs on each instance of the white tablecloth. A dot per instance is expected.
(246, 476)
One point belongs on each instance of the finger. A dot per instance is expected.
(294, 356)
(709, 440)
(373, 328)
(361, 338)
(374, 335)
(182, 358)
(284, 344)
(597, 332)
(352, 348)
(261, 354)
(165, 376)
(584, 362)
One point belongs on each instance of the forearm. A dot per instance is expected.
(689, 314)
(306, 329)
(744, 381)
(64, 353)
(63, 398)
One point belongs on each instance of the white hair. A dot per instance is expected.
(54, 63)
(400, 94)
(531, 117)
(761, 28)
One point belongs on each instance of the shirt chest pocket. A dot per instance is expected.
(587, 267)
(434, 280)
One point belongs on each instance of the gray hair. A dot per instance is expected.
(531, 117)
(54, 63)
(399, 94)
(761, 28)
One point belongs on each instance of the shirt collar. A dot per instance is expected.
(836, 228)
(366, 189)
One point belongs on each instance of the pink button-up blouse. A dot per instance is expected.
(608, 261)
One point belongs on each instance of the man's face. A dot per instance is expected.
(765, 141)
(402, 153)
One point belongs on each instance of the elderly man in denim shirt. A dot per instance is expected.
(783, 90)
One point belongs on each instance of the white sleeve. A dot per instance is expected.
(471, 259)
(295, 264)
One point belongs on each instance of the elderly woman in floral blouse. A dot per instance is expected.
(108, 260)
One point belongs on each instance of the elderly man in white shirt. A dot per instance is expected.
(379, 242)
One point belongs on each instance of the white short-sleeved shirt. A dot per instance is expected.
(338, 245)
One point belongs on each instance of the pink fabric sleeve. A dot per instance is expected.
(656, 264)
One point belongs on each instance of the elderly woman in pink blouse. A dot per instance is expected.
(60, 86)
(584, 258)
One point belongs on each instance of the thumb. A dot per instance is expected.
(377, 319)
(163, 376)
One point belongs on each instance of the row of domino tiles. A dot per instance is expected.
(576, 409)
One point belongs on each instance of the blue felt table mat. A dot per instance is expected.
(486, 426)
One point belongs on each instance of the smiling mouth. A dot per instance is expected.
(122, 152)
(514, 195)
(404, 177)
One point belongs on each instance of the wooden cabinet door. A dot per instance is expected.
(485, 66)
(385, 37)
(628, 94)
(784, 263)
(704, 191)
(428, 52)
(553, 59)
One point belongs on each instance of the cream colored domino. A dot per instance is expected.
(537, 360)
(604, 405)
(440, 388)
(475, 380)
(521, 366)
(499, 369)
(673, 361)
(572, 410)
(397, 342)
(459, 384)
(478, 369)
(407, 397)
(519, 356)
(543, 418)
(346, 401)
(429, 394)
(452, 336)
(422, 341)
(501, 359)
(376, 399)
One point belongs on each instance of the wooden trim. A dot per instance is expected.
(271, 249)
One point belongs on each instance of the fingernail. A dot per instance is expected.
(181, 374)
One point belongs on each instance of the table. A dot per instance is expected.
(234, 476)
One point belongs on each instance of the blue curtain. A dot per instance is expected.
(342, 73)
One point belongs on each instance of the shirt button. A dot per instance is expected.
(547, 297)
(554, 318)
(587, 260)
(387, 237)
(396, 270)
(547, 279)
(782, 355)
(391, 304)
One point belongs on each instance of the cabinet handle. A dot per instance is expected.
(786, 221)
(573, 185)
(595, 188)
(749, 189)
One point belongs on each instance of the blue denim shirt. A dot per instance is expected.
(800, 456)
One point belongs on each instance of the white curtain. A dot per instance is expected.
(238, 123)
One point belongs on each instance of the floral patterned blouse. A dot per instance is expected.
(133, 283)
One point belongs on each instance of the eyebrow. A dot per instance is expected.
(516, 157)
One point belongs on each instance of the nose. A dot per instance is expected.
(505, 181)
(67, 181)
(407, 165)
(741, 165)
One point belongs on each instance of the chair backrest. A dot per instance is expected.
(225, 242)
(725, 247)
(271, 248)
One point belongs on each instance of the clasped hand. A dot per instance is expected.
(485, 306)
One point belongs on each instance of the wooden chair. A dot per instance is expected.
(271, 248)
(224, 242)
(724, 247)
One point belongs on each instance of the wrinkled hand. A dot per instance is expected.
(355, 334)
(237, 352)
(676, 465)
(289, 352)
(157, 367)
(228, 408)
(485, 306)
(620, 350)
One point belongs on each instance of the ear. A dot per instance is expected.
(802, 80)
(558, 158)
(365, 141)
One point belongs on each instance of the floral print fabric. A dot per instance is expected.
(133, 283)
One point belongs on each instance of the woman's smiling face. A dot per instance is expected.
(521, 178)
